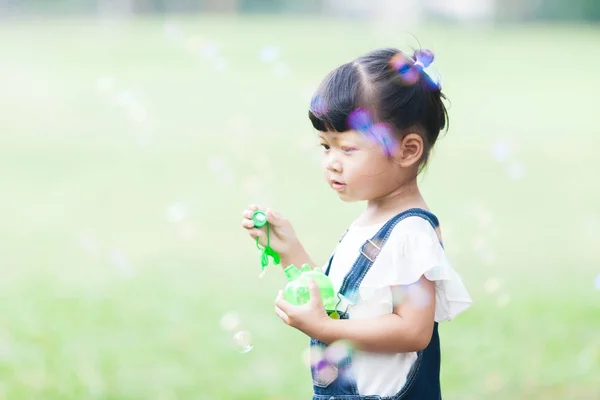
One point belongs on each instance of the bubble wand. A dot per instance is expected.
(260, 219)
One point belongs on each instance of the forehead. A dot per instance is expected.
(338, 136)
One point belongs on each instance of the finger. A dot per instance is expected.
(256, 233)
(315, 295)
(274, 218)
(282, 315)
(253, 207)
(247, 213)
(247, 223)
(283, 304)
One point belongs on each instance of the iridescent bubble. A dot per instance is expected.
(269, 54)
(318, 105)
(220, 64)
(220, 167)
(281, 69)
(516, 171)
(89, 243)
(597, 282)
(501, 150)
(403, 64)
(176, 212)
(338, 351)
(243, 341)
(492, 285)
(173, 32)
(316, 355)
(418, 295)
(106, 84)
(209, 50)
(121, 263)
(382, 135)
(324, 373)
(231, 321)
(360, 120)
(503, 300)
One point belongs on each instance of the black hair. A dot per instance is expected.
(392, 87)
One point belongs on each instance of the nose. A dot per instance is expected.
(333, 164)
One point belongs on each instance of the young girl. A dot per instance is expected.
(378, 118)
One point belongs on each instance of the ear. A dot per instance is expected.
(410, 150)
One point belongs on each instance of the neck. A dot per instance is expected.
(405, 197)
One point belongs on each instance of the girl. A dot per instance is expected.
(378, 118)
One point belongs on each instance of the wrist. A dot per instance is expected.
(324, 331)
(294, 255)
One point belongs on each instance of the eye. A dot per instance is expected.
(325, 146)
(348, 150)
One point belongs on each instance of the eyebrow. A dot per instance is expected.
(332, 136)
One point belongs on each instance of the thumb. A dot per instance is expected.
(313, 288)
(274, 218)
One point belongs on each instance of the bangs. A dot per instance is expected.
(340, 93)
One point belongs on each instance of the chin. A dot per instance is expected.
(347, 199)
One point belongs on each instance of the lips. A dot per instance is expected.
(337, 185)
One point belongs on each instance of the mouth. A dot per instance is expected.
(337, 185)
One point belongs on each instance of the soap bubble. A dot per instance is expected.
(516, 171)
(500, 150)
(121, 263)
(418, 295)
(176, 212)
(597, 282)
(231, 321)
(324, 373)
(243, 341)
(503, 300)
(106, 84)
(269, 54)
(492, 285)
(338, 351)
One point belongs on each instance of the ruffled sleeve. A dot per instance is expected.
(416, 254)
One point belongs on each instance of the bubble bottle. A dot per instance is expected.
(296, 291)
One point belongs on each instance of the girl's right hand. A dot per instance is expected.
(282, 237)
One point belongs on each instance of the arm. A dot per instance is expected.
(407, 329)
(296, 256)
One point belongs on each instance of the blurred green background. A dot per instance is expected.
(130, 142)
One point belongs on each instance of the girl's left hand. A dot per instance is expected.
(309, 318)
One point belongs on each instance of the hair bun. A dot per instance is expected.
(423, 57)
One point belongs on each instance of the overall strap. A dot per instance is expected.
(371, 249)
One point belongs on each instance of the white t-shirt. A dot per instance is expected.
(412, 250)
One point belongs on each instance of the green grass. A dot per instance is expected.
(74, 165)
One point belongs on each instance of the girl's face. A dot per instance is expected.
(358, 167)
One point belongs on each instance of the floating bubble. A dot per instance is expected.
(269, 54)
(360, 120)
(315, 355)
(106, 84)
(516, 171)
(492, 285)
(503, 300)
(382, 135)
(126, 98)
(281, 69)
(500, 150)
(188, 231)
(138, 113)
(89, 243)
(220, 64)
(173, 32)
(231, 321)
(209, 50)
(243, 341)
(597, 282)
(338, 351)
(403, 64)
(318, 105)
(121, 263)
(324, 373)
(176, 212)
(418, 295)
(220, 167)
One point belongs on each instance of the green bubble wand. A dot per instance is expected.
(260, 219)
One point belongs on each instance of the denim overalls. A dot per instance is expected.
(423, 380)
